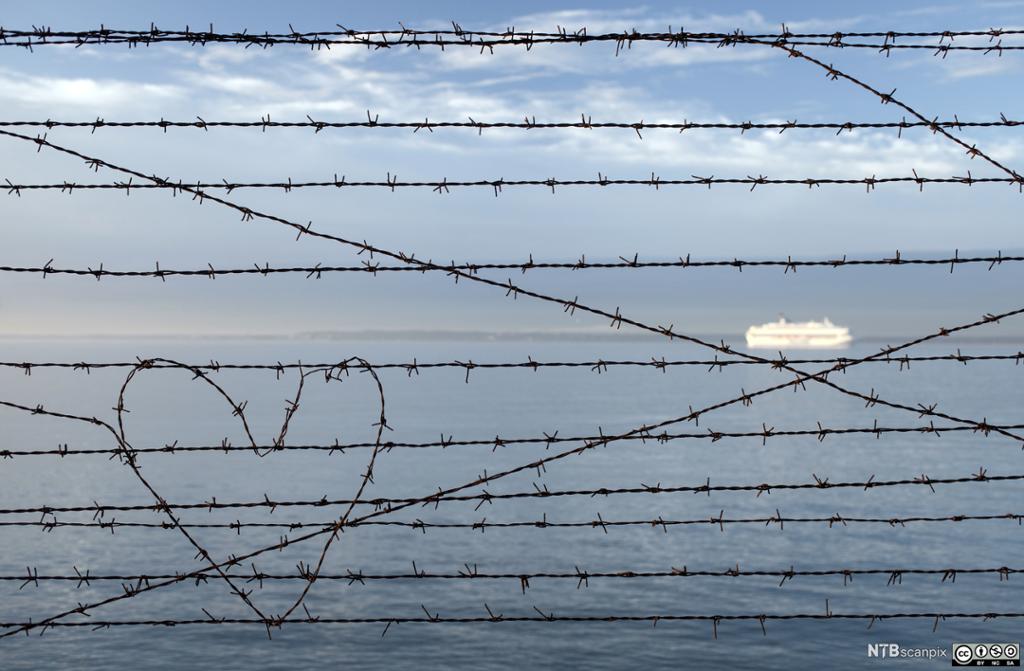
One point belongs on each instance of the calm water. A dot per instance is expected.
(166, 406)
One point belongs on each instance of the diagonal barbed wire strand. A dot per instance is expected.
(888, 98)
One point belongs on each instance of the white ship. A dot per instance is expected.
(784, 334)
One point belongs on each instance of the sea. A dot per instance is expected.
(371, 572)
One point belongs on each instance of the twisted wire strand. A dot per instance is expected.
(529, 123)
(547, 440)
(488, 40)
(491, 618)
(445, 185)
(624, 263)
(819, 483)
(595, 365)
(662, 523)
(472, 572)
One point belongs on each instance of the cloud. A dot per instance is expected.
(102, 95)
(341, 84)
(980, 68)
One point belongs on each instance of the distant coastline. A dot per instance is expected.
(413, 335)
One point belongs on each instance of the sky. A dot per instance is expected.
(647, 82)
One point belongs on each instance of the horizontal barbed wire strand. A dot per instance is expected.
(472, 572)
(623, 263)
(529, 123)
(444, 186)
(595, 365)
(660, 522)
(491, 618)
(487, 40)
(766, 432)
(99, 509)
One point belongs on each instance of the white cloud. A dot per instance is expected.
(341, 84)
(55, 93)
(986, 67)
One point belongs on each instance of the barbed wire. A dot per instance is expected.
(819, 483)
(624, 263)
(569, 307)
(444, 186)
(491, 618)
(235, 559)
(660, 522)
(834, 74)
(480, 480)
(473, 572)
(292, 407)
(528, 123)
(745, 398)
(660, 438)
(595, 365)
(488, 40)
(129, 458)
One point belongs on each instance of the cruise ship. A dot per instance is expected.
(784, 334)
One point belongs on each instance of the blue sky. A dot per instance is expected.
(648, 82)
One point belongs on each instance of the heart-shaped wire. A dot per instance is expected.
(130, 457)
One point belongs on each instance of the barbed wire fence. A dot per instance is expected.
(361, 508)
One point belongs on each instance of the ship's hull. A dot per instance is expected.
(834, 340)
